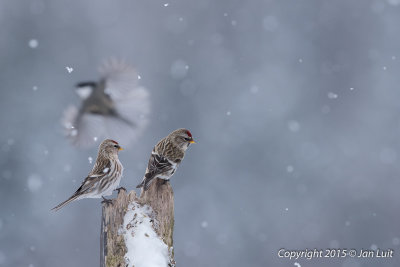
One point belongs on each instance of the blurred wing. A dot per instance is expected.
(86, 130)
(131, 101)
(91, 129)
(119, 77)
(135, 107)
(69, 118)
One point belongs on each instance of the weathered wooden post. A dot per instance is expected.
(139, 231)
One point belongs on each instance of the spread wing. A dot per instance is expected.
(119, 78)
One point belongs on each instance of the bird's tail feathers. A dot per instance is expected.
(140, 185)
(66, 202)
(145, 184)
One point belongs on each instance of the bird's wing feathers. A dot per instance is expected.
(158, 164)
(102, 167)
(87, 128)
(87, 184)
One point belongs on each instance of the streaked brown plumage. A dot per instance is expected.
(104, 177)
(166, 156)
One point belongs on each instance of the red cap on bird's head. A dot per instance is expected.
(189, 133)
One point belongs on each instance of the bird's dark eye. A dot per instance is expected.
(116, 146)
(187, 139)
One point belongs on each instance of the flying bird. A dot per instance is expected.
(113, 107)
(166, 156)
(104, 177)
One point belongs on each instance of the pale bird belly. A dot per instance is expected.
(108, 191)
(167, 175)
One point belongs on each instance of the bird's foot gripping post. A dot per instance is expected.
(139, 231)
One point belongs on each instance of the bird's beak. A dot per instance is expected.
(120, 148)
(192, 142)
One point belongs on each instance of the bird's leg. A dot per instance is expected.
(120, 188)
(105, 200)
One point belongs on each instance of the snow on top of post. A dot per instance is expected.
(144, 247)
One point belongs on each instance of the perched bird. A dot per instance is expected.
(166, 156)
(104, 177)
(114, 107)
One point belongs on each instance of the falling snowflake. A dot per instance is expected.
(74, 132)
(204, 224)
(228, 113)
(67, 168)
(289, 168)
(166, 4)
(254, 89)
(106, 170)
(34, 182)
(90, 160)
(69, 69)
(332, 95)
(294, 126)
(34, 88)
(33, 43)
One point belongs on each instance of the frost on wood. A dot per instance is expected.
(139, 232)
(144, 246)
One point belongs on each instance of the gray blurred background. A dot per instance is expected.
(294, 104)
